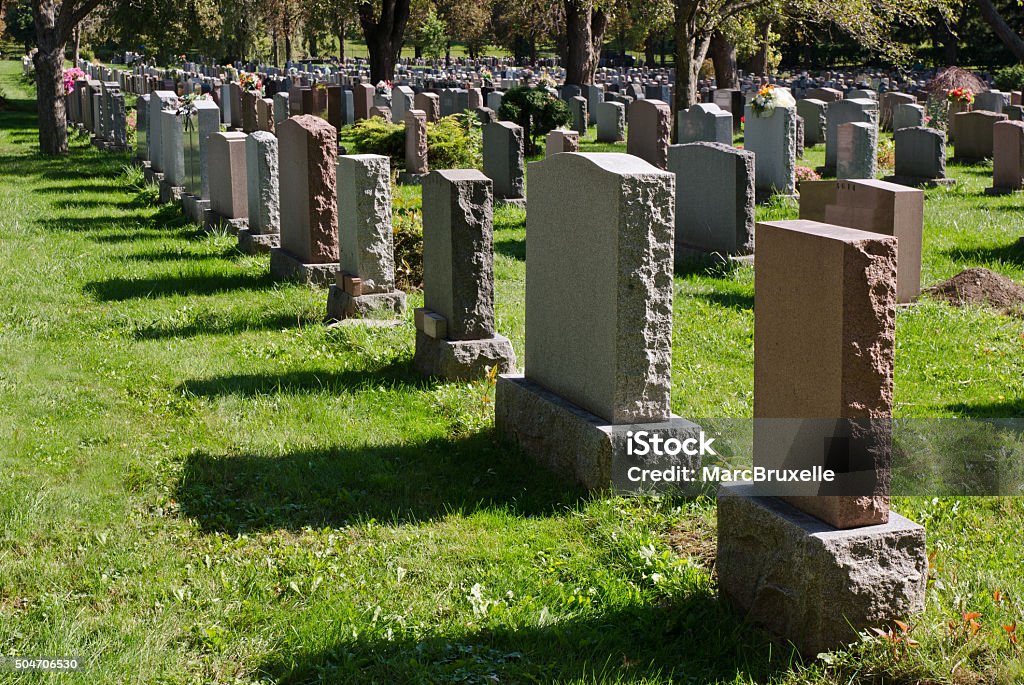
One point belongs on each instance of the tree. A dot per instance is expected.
(19, 25)
(383, 23)
(585, 24)
(432, 37)
(54, 25)
(869, 22)
(1002, 29)
(536, 110)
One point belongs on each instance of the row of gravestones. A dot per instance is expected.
(97, 108)
(599, 323)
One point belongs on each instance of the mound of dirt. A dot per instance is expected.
(984, 287)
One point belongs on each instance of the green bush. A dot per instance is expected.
(536, 110)
(454, 142)
(1010, 78)
(407, 231)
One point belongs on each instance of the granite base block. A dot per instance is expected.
(257, 243)
(286, 266)
(464, 360)
(810, 584)
(341, 305)
(212, 220)
(685, 253)
(151, 175)
(577, 444)
(407, 179)
(916, 182)
(519, 202)
(1001, 191)
(170, 193)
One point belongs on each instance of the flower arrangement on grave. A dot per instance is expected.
(545, 81)
(962, 96)
(384, 88)
(187, 108)
(250, 83)
(768, 99)
(70, 76)
(806, 173)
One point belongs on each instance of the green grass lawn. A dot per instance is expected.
(201, 483)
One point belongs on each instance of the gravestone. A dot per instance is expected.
(504, 144)
(611, 122)
(141, 128)
(974, 135)
(561, 140)
(235, 109)
(887, 108)
(362, 100)
(598, 317)
(335, 111)
(824, 94)
(119, 123)
(431, 104)
(580, 117)
(1007, 157)
(856, 154)
(650, 130)
(845, 112)
(595, 95)
(815, 570)
(401, 102)
(877, 207)
(158, 102)
(494, 99)
(990, 101)
(906, 115)
(772, 139)
(229, 202)
(704, 123)
(920, 157)
(280, 108)
(382, 112)
(365, 281)
(714, 199)
(455, 333)
(813, 113)
(263, 232)
(416, 163)
(731, 100)
(247, 100)
(308, 155)
(172, 156)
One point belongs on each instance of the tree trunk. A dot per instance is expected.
(78, 44)
(649, 50)
(341, 47)
(585, 28)
(1007, 35)
(759, 64)
(49, 64)
(274, 54)
(723, 54)
(314, 46)
(691, 50)
(384, 36)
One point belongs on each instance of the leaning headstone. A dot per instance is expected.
(229, 202)
(455, 333)
(906, 115)
(561, 140)
(714, 199)
(920, 157)
(813, 113)
(365, 282)
(1007, 157)
(704, 123)
(416, 163)
(598, 318)
(261, 164)
(503, 161)
(772, 139)
(856, 153)
(877, 207)
(611, 122)
(974, 132)
(308, 155)
(650, 130)
(816, 570)
(844, 112)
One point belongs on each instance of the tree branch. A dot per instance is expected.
(71, 14)
(1002, 30)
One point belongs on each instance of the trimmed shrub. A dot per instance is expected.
(454, 142)
(536, 110)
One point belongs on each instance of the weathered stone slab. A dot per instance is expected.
(228, 183)
(1007, 157)
(650, 131)
(611, 122)
(504, 144)
(772, 139)
(561, 140)
(262, 180)
(975, 135)
(813, 113)
(920, 157)
(704, 123)
(856, 151)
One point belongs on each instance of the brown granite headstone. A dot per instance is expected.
(824, 346)
(1008, 155)
(309, 214)
(416, 142)
(650, 131)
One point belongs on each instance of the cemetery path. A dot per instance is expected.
(199, 482)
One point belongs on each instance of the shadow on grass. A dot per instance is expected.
(338, 486)
(169, 255)
(1008, 409)
(163, 330)
(1012, 253)
(709, 266)
(693, 638)
(396, 374)
(120, 289)
(516, 249)
(726, 299)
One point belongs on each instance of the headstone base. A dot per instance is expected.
(341, 305)
(685, 253)
(1001, 191)
(915, 182)
(571, 440)
(170, 193)
(257, 243)
(212, 220)
(809, 583)
(151, 175)
(763, 197)
(286, 266)
(407, 179)
(464, 360)
(519, 202)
